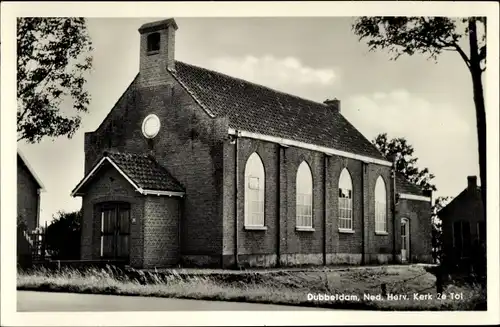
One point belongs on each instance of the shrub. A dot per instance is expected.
(63, 236)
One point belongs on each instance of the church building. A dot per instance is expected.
(192, 167)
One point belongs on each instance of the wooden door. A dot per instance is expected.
(115, 231)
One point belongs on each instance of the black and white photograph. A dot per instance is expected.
(188, 160)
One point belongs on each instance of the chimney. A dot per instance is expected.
(427, 193)
(157, 47)
(334, 104)
(471, 183)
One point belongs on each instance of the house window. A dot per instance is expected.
(304, 196)
(255, 186)
(380, 206)
(345, 200)
(461, 239)
(154, 42)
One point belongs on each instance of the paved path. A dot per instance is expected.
(52, 302)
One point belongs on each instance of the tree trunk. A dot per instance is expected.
(481, 132)
(477, 86)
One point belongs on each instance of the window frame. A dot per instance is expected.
(254, 196)
(304, 212)
(345, 204)
(380, 207)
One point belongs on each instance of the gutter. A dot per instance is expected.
(363, 234)
(308, 146)
(236, 189)
(325, 206)
(278, 207)
(393, 209)
(180, 205)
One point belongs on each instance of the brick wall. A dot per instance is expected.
(280, 165)
(257, 241)
(110, 133)
(378, 244)
(299, 241)
(189, 145)
(419, 215)
(27, 196)
(161, 231)
(107, 186)
(338, 242)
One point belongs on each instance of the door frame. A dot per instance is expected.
(116, 207)
(405, 221)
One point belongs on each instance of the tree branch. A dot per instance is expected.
(33, 85)
(22, 115)
(462, 54)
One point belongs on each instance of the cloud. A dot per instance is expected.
(400, 113)
(438, 132)
(285, 74)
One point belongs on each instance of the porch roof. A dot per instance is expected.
(143, 172)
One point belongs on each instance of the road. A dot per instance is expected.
(53, 302)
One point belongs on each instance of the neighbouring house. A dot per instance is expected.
(29, 187)
(195, 167)
(463, 224)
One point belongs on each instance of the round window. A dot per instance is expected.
(151, 126)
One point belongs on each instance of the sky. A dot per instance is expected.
(427, 102)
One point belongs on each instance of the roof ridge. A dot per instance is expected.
(113, 151)
(253, 83)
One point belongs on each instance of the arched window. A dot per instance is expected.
(304, 196)
(380, 206)
(254, 191)
(345, 200)
(154, 42)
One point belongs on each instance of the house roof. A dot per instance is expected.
(143, 172)
(462, 196)
(20, 156)
(406, 187)
(258, 109)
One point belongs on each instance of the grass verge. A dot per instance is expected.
(276, 287)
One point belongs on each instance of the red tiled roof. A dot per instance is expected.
(258, 109)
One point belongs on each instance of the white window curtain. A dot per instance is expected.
(380, 206)
(255, 186)
(345, 200)
(304, 196)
